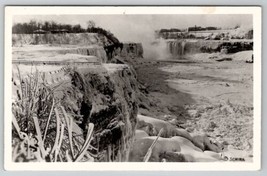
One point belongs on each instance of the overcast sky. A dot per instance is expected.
(140, 27)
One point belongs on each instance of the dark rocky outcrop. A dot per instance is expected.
(132, 49)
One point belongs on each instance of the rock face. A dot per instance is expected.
(59, 53)
(179, 48)
(105, 96)
(82, 43)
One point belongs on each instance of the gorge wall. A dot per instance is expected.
(108, 100)
(47, 46)
(104, 95)
(61, 38)
(73, 67)
(179, 48)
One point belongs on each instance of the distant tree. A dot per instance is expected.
(17, 28)
(46, 26)
(68, 27)
(76, 28)
(26, 28)
(53, 25)
(32, 26)
(90, 24)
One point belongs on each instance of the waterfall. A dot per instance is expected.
(183, 47)
(176, 48)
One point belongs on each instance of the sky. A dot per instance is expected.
(137, 28)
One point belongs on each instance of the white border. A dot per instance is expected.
(10, 11)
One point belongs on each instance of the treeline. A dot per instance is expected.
(51, 26)
(48, 26)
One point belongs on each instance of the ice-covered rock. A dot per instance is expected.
(175, 144)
